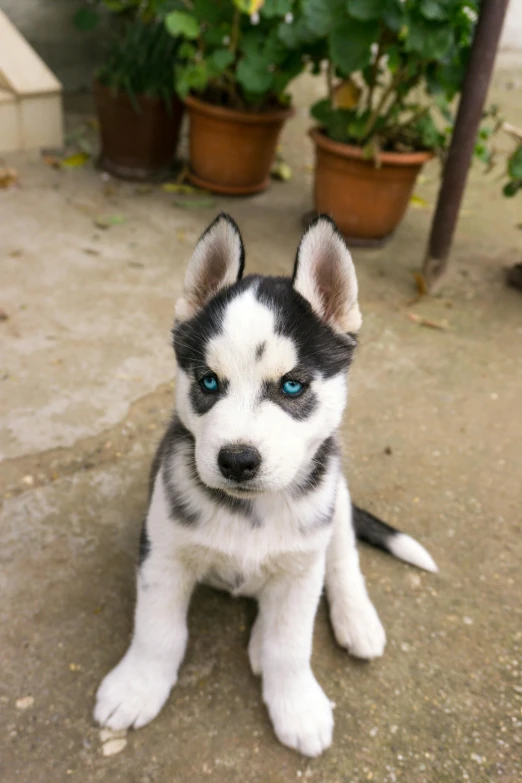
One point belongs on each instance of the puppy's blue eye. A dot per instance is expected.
(209, 383)
(292, 388)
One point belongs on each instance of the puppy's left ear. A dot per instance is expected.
(217, 262)
(324, 275)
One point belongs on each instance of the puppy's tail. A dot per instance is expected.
(377, 533)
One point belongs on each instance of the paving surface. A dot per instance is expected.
(432, 442)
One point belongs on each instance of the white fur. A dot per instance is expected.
(406, 548)
(284, 570)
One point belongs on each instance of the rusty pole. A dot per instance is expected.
(473, 96)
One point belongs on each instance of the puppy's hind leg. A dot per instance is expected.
(354, 619)
(134, 692)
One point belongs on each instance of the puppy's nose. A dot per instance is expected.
(239, 462)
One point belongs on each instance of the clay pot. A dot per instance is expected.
(232, 151)
(366, 202)
(136, 145)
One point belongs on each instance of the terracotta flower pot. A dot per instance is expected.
(136, 145)
(366, 202)
(232, 151)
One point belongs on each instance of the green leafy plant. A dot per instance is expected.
(140, 53)
(235, 53)
(393, 68)
(514, 171)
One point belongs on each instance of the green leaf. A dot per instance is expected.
(181, 23)
(321, 16)
(106, 221)
(221, 59)
(186, 51)
(321, 111)
(365, 10)
(295, 35)
(431, 9)
(482, 153)
(350, 45)
(512, 188)
(431, 43)
(253, 75)
(273, 8)
(86, 19)
(515, 164)
(116, 6)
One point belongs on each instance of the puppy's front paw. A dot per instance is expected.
(358, 628)
(132, 694)
(301, 715)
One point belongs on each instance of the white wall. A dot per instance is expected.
(512, 34)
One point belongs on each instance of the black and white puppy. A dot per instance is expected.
(247, 492)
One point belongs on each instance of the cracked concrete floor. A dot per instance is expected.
(432, 442)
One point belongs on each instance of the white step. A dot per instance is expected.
(30, 95)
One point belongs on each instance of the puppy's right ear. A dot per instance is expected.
(217, 262)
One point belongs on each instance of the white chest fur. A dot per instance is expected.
(230, 552)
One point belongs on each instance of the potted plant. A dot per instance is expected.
(393, 68)
(232, 71)
(138, 110)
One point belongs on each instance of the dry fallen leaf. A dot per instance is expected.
(75, 667)
(347, 95)
(281, 171)
(420, 282)
(52, 160)
(3, 315)
(106, 221)
(8, 177)
(178, 187)
(428, 322)
(75, 161)
(418, 202)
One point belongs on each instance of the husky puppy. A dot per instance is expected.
(247, 492)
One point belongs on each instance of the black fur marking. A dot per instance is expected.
(176, 435)
(319, 465)
(260, 350)
(299, 408)
(319, 348)
(371, 529)
(144, 544)
(201, 401)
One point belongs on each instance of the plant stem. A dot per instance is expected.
(329, 81)
(375, 71)
(234, 38)
(374, 116)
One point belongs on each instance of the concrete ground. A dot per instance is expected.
(432, 442)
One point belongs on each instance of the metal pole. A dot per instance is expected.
(473, 96)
